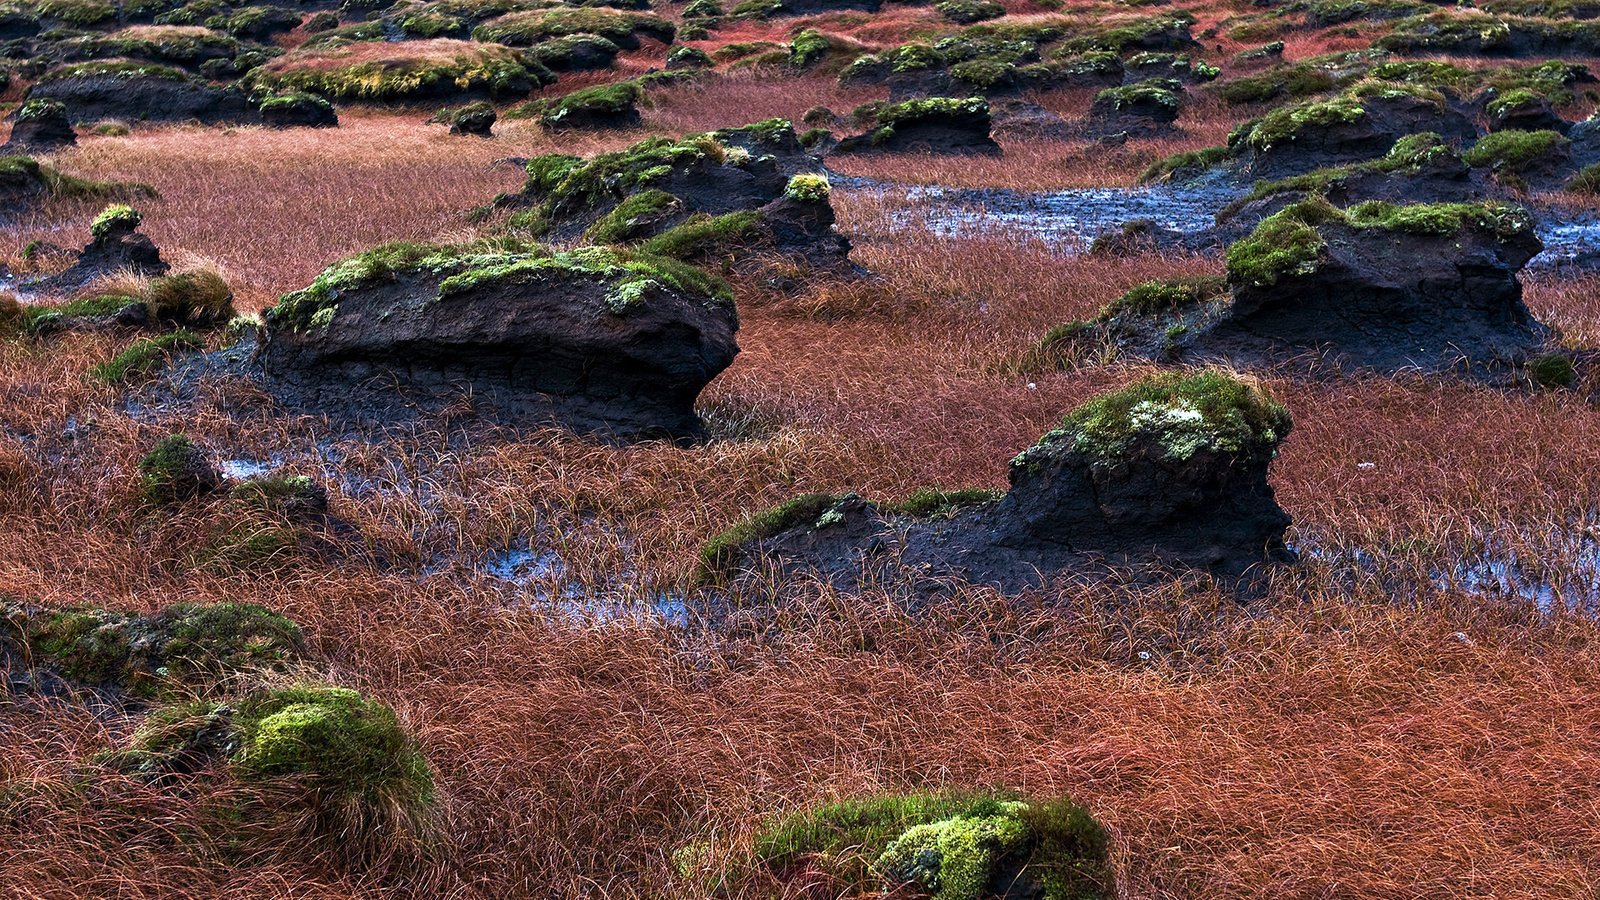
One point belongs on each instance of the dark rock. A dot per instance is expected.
(298, 111)
(936, 125)
(115, 246)
(1170, 473)
(594, 339)
(474, 118)
(1377, 287)
(1524, 111)
(1326, 134)
(125, 91)
(40, 126)
(1023, 119)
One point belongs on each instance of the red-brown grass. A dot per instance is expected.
(1372, 726)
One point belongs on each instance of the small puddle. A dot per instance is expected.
(242, 468)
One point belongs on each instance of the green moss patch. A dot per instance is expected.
(943, 846)
(187, 648)
(397, 72)
(1175, 414)
(630, 275)
(1513, 150)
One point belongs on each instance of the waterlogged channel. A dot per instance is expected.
(1070, 219)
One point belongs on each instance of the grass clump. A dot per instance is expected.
(1186, 161)
(808, 188)
(1586, 181)
(525, 29)
(24, 174)
(176, 470)
(1178, 414)
(1552, 371)
(944, 846)
(144, 357)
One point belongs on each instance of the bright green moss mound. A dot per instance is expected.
(632, 218)
(1285, 243)
(1180, 414)
(930, 107)
(115, 218)
(808, 188)
(524, 29)
(1284, 124)
(945, 846)
(1513, 150)
(336, 741)
(631, 276)
(340, 770)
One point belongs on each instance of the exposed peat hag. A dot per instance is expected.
(1169, 474)
(743, 192)
(1378, 286)
(595, 339)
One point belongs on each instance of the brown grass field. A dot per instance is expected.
(1369, 728)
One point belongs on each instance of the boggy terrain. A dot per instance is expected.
(522, 448)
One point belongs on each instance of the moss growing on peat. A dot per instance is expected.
(1288, 243)
(808, 188)
(176, 470)
(114, 219)
(464, 267)
(144, 357)
(1176, 415)
(944, 846)
(615, 99)
(720, 555)
(1284, 124)
(1512, 150)
(187, 648)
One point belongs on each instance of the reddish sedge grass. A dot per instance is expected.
(1359, 731)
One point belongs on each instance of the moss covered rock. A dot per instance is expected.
(1171, 471)
(186, 649)
(952, 846)
(934, 125)
(599, 339)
